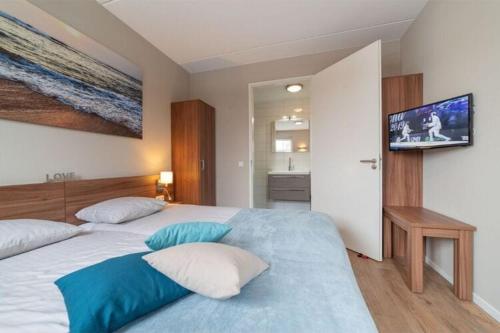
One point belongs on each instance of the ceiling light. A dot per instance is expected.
(285, 118)
(294, 88)
(298, 110)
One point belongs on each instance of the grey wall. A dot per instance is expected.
(227, 91)
(456, 44)
(28, 152)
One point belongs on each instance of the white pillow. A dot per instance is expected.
(18, 236)
(120, 210)
(210, 269)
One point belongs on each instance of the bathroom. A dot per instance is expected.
(281, 145)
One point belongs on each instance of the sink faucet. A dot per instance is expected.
(290, 165)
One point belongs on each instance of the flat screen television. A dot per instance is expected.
(442, 124)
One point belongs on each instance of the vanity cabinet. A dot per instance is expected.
(289, 187)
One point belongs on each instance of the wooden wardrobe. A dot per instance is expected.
(193, 152)
(403, 171)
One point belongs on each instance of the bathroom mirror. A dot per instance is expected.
(290, 135)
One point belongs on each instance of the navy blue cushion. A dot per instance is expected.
(106, 296)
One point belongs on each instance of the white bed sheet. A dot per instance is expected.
(29, 299)
(171, 214)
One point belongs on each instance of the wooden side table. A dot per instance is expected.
(419, 223)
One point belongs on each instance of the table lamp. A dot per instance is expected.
(166, 178)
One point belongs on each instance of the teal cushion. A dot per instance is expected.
(106, 296)
(191, 232)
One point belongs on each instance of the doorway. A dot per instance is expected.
(280, 146)
(345, 149)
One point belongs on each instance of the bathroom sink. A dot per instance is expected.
(286, 172)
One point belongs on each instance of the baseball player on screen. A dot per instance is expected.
(406, 132)
(434, 128)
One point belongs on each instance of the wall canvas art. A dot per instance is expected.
(50, 74)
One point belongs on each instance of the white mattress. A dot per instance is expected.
(171, 214)
(29, 299)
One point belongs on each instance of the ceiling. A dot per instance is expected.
(274, 92)
(203, 35)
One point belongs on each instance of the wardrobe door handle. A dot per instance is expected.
(202, 165)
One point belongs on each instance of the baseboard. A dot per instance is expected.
(478, 300)
(439, 270)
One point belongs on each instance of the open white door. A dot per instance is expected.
(346, 147)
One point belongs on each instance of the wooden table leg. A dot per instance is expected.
(425, 246)
(387, 237)
(399, 240)
(416, 260)
(462, 270)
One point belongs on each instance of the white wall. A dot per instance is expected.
(28, 152)
(456, 44)
(227, 91)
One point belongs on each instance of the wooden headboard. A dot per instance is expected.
(35, 201)
(60, 201)
(83, 193)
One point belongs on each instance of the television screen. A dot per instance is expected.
(441, 124)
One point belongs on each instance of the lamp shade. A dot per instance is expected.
(166, 177)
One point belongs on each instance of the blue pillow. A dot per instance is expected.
(106, 296)
(192, 232)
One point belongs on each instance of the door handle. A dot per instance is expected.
(202, 165)
(373, 162)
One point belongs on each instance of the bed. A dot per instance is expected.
(309, 287)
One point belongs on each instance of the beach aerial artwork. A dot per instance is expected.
(45, 80)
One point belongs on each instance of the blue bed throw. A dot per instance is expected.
(310, 286)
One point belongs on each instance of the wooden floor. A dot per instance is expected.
(396, 309)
